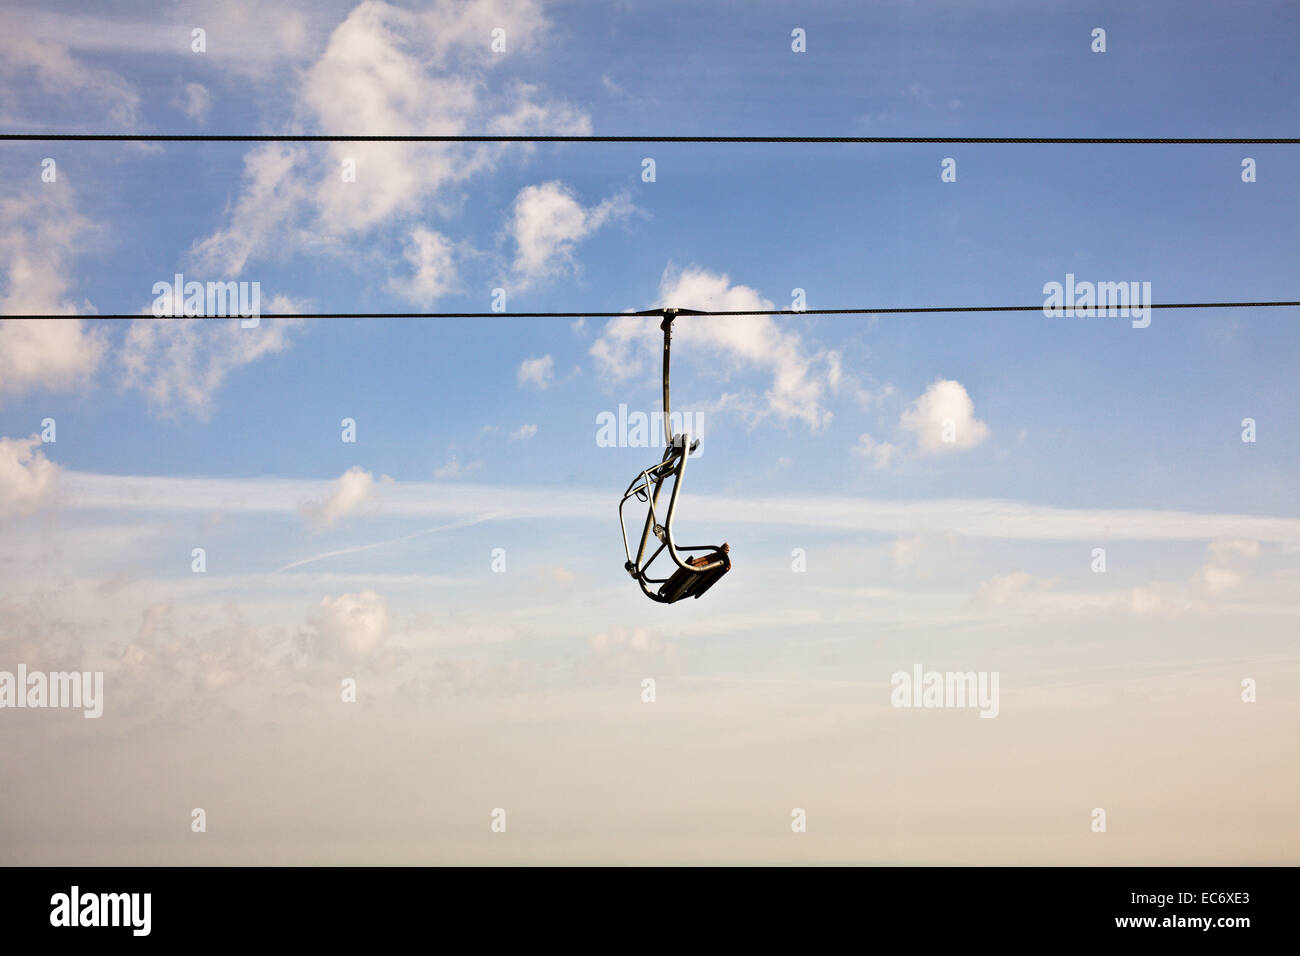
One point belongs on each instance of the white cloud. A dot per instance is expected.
(47, 353)
(353, 489)
(537, 371)
(1215, 580)
(400, 71)
(194, 101)
(528, 117)
(622, 648)
(524, 432)
(267, 209)
(453, 470)
(57, 73)
(1232, 549)
(1228, 562)
(961, 517)
(547, 221)
(178, 652)
(433, 268)
(799, 378)
(246, 37)
(355, 623)
(1147, 600)
(1002, 589)
(26, 476)
(926, 555)
(943, 419)
(39, 236)
(251, 38)
(377, 66)
(179, 365)
(879, 453)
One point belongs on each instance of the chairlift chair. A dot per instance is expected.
(693, 575)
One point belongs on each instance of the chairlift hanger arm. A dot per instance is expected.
(667, 326)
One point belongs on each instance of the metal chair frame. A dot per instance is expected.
(689, 579)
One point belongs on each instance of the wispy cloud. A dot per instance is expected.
(180, 366)
(982, 518)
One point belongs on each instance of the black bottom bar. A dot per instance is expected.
(917, 908)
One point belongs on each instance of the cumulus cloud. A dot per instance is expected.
(26, 476)
(229, 654)
(352, 623)
(47, 354)
(353, 489)
(401, 71)
(39, 235)
(524, 432)
(181, 655)
(377, 65)
(1228, 562)
(431, 256)
(179, 366)
(1215, 579)
(547, 221)
(943, 419)
(194, 100)
(800, 377)
(879, 453)
(537, 371)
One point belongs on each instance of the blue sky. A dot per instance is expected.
(328, 558)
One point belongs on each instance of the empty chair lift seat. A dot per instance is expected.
(684, 584)
(690, 576)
